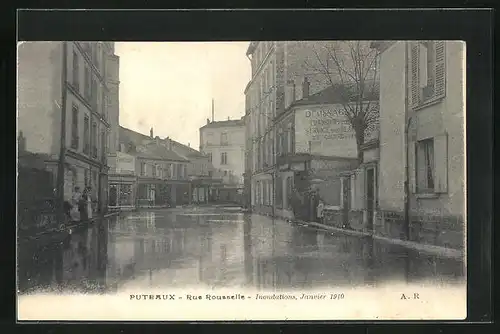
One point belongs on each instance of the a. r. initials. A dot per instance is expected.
(409, 296)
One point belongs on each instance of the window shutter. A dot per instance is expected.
(414, 65)
(412, 164)
(440, 77)
(441, 163)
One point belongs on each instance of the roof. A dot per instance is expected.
(180, 152)
(153, 151)
(221, 124)
(330, 95)
(251, 47)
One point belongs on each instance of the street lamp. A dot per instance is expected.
(62, 149)
(407, 180)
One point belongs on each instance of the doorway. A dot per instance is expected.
(370, 196)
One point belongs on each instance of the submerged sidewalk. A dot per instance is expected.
(423, 248)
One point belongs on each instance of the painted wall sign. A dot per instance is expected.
(324, 130)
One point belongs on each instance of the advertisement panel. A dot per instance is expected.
(324, 130)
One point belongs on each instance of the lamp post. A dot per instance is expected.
(62, 149)
(408, 119)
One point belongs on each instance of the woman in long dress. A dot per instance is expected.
(89, 203)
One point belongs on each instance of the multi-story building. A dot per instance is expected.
(422, 109)
(276, 65)
(78, 82)
(162, 174)
(223, 142)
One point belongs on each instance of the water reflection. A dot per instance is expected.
(169, 249)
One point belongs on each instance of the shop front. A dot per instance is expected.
(121, 192)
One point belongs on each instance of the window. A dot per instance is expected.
(88, 83)
(223, 138)
(86, 135)
(155, 167)
(179, 171)
(74, 128)
(86, 177)
(76, 69)
(425, 165)
(103, 146)
(209, 157)
(94, 95)
(210, 139)
(143, 169)
(223, 158)
(174, 170)
(185, 171)
(225, 173)
(94, 139)
(103, 104)
(427, 72)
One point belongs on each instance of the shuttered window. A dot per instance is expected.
(427, 72)
(441, 163)
(429, 161)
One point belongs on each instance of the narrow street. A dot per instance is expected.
(218, 247)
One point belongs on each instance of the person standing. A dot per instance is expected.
(89, 203)
(82, 205)
(76, 203)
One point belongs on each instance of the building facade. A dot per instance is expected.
(422, 97)
(223, 142)
(90, 83)
(122, 181)
(162, 174)
(277, 67)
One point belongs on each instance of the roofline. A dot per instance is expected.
(241, 121)
(252, 47)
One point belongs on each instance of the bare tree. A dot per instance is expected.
(351, 69)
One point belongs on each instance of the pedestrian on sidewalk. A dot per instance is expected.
(76, 209)
(83, 205)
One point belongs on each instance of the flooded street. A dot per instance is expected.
(218, 248)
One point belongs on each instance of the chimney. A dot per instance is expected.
(170, 144)
(289, 93)
(208, 121)
(151, 133)
(228, 118)
(189, 144)
(213, 110)
(305, 88)
(157, 140)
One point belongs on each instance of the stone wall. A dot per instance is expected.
(442, 231)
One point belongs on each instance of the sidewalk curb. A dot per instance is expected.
(423, 248)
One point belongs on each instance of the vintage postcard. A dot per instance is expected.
(259, 180)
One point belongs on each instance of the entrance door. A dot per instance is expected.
(370, 196)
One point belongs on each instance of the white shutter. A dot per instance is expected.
(440, 76)
(412, 166)
(414, 74)
(441, 163)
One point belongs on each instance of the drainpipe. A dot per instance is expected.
(62, 150)
(408, 119)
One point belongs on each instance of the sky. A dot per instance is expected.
(170, 85)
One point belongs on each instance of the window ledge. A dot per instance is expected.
(428, 103)
(427, 195)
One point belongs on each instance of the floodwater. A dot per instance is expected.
(218, 248)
